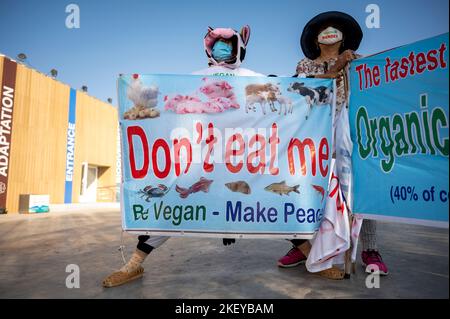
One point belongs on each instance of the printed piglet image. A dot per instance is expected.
(219, 94)
(144, 98)
(183, 104)
(219, 91)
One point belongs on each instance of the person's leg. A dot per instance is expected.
(144, 247)
(369, 235)
(294, 256)
(151, 242)
(133, 268)
(370, 256)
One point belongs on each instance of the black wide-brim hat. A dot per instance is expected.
(345, 23)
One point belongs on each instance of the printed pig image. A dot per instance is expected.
(219, 89)
(184, 104)
(220, 97)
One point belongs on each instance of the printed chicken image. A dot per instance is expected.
(145, 100)
(282, 188)
(140, 112)
(202, 185)
(239, 187)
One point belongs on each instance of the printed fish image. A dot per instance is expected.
(239, 187)
(150, 191)
(320, 190)
(202, 185)
(282, 188)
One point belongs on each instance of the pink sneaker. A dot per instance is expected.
(373, 258)
(293, 258)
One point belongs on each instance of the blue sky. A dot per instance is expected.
(166, 36)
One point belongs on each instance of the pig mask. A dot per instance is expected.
(239, 42)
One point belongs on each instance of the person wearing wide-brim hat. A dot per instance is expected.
(349, 36)
(329, 41)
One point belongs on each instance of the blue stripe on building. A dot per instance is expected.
(70, 147)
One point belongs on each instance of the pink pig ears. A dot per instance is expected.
(245, 33)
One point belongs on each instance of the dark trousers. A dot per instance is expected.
(297, 242)
(142, 245)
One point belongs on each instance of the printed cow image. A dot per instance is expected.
(313, 96)
(260, 94)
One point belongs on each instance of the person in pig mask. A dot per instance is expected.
(226, 49)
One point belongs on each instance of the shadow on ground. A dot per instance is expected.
(35, 252)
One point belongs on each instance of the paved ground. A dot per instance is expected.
(35, 249)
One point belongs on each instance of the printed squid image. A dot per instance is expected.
(320, 190)
(202, 185)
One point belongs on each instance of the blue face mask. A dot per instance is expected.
(222, 51)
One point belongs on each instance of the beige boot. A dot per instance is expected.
(305, 248)
(131, 271)
(334, 273)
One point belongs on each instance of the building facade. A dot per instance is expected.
(54, 140)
